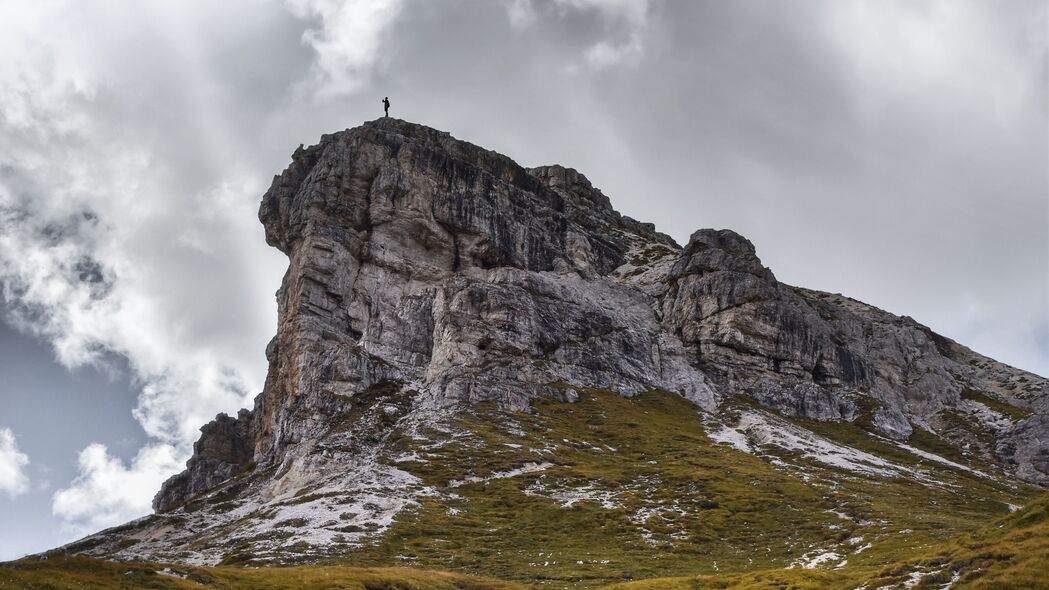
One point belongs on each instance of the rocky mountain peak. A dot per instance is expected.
(724, 250)
(439, 275)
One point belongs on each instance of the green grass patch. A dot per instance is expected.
(61, 573)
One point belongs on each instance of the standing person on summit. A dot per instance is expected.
(386, 105)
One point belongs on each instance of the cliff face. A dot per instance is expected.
(422, 261)
(418, 258)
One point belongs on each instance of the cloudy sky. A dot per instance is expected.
(894, 151)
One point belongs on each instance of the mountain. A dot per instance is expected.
(486, 368)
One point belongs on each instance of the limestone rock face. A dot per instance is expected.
(224, 448)
(757, 335)
(419, 259)
(828, 357)
(1025, 446)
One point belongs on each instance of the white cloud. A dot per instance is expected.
(128, 227)
(347, 42)
(107, 492)
(633, 12)
(604, 54)
(112, 264)
(13, 479)
(521, 13)
(625, 23)
(915, 52)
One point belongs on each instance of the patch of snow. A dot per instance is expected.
(955, 576)
(736, 438)
(944, 461)
(814, 559)
(526, 468)
(569, 496)
(409, 457)
(912, 579)
(756, 430)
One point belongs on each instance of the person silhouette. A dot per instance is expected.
(386, 105)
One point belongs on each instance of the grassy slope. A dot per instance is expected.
(80, 572)
(1011, 553)
(683, 504)
(676, 505)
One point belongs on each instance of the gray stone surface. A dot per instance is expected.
(417, 258)
(224, 448)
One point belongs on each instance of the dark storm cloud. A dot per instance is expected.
(893, 151)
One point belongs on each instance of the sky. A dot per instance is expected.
(896, 151)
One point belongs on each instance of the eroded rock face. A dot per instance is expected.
(420, 259)
(224, 448)
(1025, 446)
(828, 357)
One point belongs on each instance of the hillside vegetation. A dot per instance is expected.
(1010, 553)
(646, 492)
(82, 572)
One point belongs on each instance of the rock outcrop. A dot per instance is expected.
(223, 450)
(419, 259)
